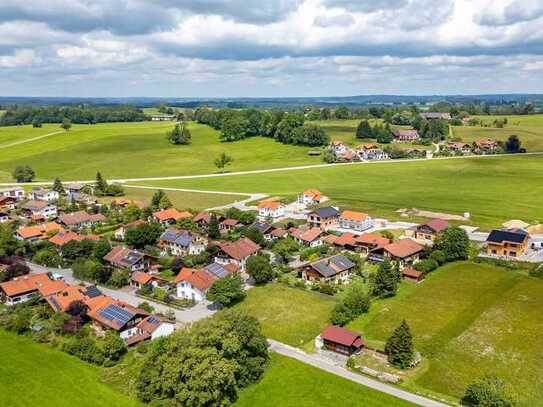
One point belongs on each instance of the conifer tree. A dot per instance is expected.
(57, 186)
(213, 228)
(399, 347)
(385, 283)
(100, 186)
(364, 130)
(155, 201)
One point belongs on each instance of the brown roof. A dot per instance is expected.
(346, 238)
(141, 277)
(240, 249)
(314, 193)
(200, 279)
(35, 205)
(354, 216)
(63, 237)
(404, 248)
(61, 300)
(278, 232)
(270, 204)
(230, 222)
(99, 303)
(342, 336)
(79, 217)
(123, 257)
(41, 231)
(370, 238)
(330, 239)
(31, 282)
(171, 213)
(412, 273)
(203, 216)
(437, 225)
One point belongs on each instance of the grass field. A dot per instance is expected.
(36, 375)
(529, 128)
(13, 134)
(492, 189)
(128, 150)
(289, 315)
(289, 383)
(467, 320)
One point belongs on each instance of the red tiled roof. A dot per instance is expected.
(28, 283)
(346, 238)
(279, 232)
(39, 230)
(63, 237)
(230, 222)
(404, 248)
(171, 213)
(370, 238)
(240, 249)
(61, 300)
(311, 234)
(342, 336)
(411, 272)
(203, 216)
(314, 193)
(354, 216)
(437, 224)
(200, 279)
(141, 277)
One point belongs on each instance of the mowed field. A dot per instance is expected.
(493, 189)
(33, 374)
(289, 383)
(128, 150)
(529, 128)
(468, 319)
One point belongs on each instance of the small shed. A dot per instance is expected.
(341, 340)
(410, 273)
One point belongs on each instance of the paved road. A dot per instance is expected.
(282, 169)
(322, 364)
(16, 143)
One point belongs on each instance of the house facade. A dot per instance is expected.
(193, 284)
(310, 197)
(13, 192)
(507, 243)
(324, 217)
(428, 231)
(180, 242)
(332, 270)
(39, 210)
(43, 194)
(404, 135)
(128, 259)
(357, 221)
(271, 209)
(236, 252)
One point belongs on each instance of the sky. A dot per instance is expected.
(269, 48)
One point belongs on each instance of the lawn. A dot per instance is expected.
(291, 383)
(36, 375)
(529, 128)
(181, 199)
(289, 315)
(13, 134)
(132, 150)
(493, 189)
(467, 320)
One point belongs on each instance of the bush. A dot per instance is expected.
(227, 291)
(426, 265)
(486, 392)
(119, 278)
(439, 256)
(327, 289)
(85, 349)
(260, 269)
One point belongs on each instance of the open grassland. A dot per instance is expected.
(529, 128)
(493, 189)
(180, 199)
(15, 134)
(32, 374)
(289, 315)
(289, 383)
(467, 320)
(128, 150)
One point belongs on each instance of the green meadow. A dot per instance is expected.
(467, 320)
(128, 150)
(33, 374)
(493, 189)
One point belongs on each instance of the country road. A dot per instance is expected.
(271, 170)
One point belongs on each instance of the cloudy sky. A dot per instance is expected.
(220, 48)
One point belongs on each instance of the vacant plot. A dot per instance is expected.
(36, 375)
(467, 320)
(289, 315)
(529, 128)
(493, 189)
(131, 150)
(291, 383)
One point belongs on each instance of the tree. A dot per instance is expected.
(8, 243)
(385, 284)
(180, 134)
(355, 302)
(222, 161)
(101, 248)
(227, 291)
(454, 243)
(164, 202)
(259, 268)
(399, 347)
(114, 347)
(287, 126)
(143, 235)
(342, 112)
(23, 173)
(36, 123)
(100, 185)
(310, 135)
(157, 197)
(364, 130)
(213, 229)
(487, 392)
(14, 270)
(47, 257)
(58, 187)
(284, 248)
(512, 145)
(66, 124)
(119, 278)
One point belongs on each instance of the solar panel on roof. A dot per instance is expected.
(93, 291)
(153, 320)
(217, 270)
(115, 313)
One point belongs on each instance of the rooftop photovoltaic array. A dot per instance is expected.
(115, 313)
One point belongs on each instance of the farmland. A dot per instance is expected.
(34, 374)
(290, 383)
(483, 319)
(493, 189)
(128, 150)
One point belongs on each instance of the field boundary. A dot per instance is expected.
(16, 143)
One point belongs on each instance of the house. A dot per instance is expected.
(337, 147)
(38, 232)
(435, 116)
(43, 194)
(123, 203)
(271, 209)
(23, 288)
(428, 231)
(507, 243)
(221, 270)
(404, 251)
(7, 202)
(340, 340)
(81, 198)
(416, 152)
(369, 242)
(310, 197)
(74, 187)
(39, 210)
(485, 146)
(13, 192)
(121, 232)
(170, 216)
(180, 242)
(403, 135)
(277, 233)
(336, 269)
(202, 220)
(163, 117)
(347, 156)
(311, 237)
(324, 217)
(71, 294)
(150, 328)
(64, 237)
(411, 274)
(371, 152)
(236, 252)
(459, 148)
(139, 279)
(263, 228)
(228, 225)
(107, 313)
(128, 259)
(81, 219)
(193, 284)
(354, 220)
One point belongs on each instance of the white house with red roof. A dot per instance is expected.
(236, 252)
(193, 284)
(271, 209)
